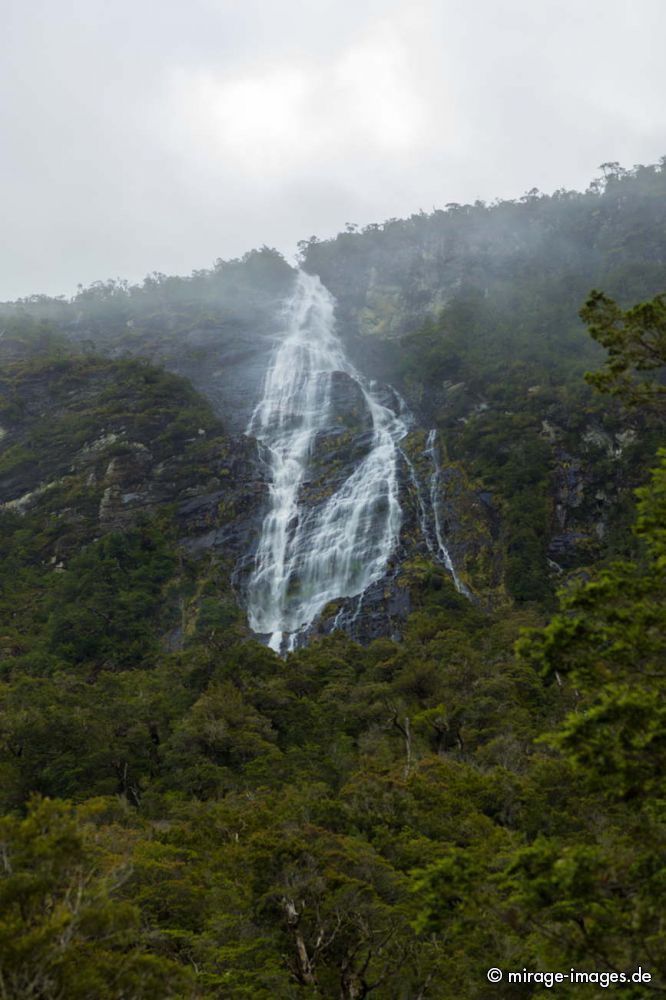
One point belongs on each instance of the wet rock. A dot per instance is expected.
(99, 466)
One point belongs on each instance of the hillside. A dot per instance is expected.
(472, 314)
(458, 769)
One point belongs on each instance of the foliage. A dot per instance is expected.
(636, 342)
(63, 929)
(104, 605)
(195, 817)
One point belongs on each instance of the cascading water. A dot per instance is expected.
(310, 555)
(442, 551)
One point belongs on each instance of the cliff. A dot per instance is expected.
(92, 447)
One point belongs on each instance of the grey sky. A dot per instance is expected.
(141, 136)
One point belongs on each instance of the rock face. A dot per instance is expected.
(118, 439)
(95, 445)
(391, 286)
(226, 364)
(342, 444)
(471, 313)
(586, 489)
(469, 524)
(99, 443)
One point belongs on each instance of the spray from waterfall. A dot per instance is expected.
(309, 555)
(337, 546)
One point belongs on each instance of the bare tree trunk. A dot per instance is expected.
(304, 967)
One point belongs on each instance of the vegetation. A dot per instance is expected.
(472, 311)
(201, 819)
(636, 342)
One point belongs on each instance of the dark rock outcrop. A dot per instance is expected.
(95, 445)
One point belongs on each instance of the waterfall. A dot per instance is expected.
(442, 551)
(310, 554)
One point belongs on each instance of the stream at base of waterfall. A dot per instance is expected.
(309, 555)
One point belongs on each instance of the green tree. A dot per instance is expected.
(636, 343)
(63, 932)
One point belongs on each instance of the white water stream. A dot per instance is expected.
(307, 556)
(442, 552)
(335, 548)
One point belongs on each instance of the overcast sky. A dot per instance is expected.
(144, 136)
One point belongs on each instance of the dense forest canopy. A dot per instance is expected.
(188, 815)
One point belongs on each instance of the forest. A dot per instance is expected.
(185, 813)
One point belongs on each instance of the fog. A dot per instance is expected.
(160, 136)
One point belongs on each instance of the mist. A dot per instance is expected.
(151, 137)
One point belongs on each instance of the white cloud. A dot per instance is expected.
(157, 135)
(284, 120)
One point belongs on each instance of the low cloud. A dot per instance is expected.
(155, 136)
